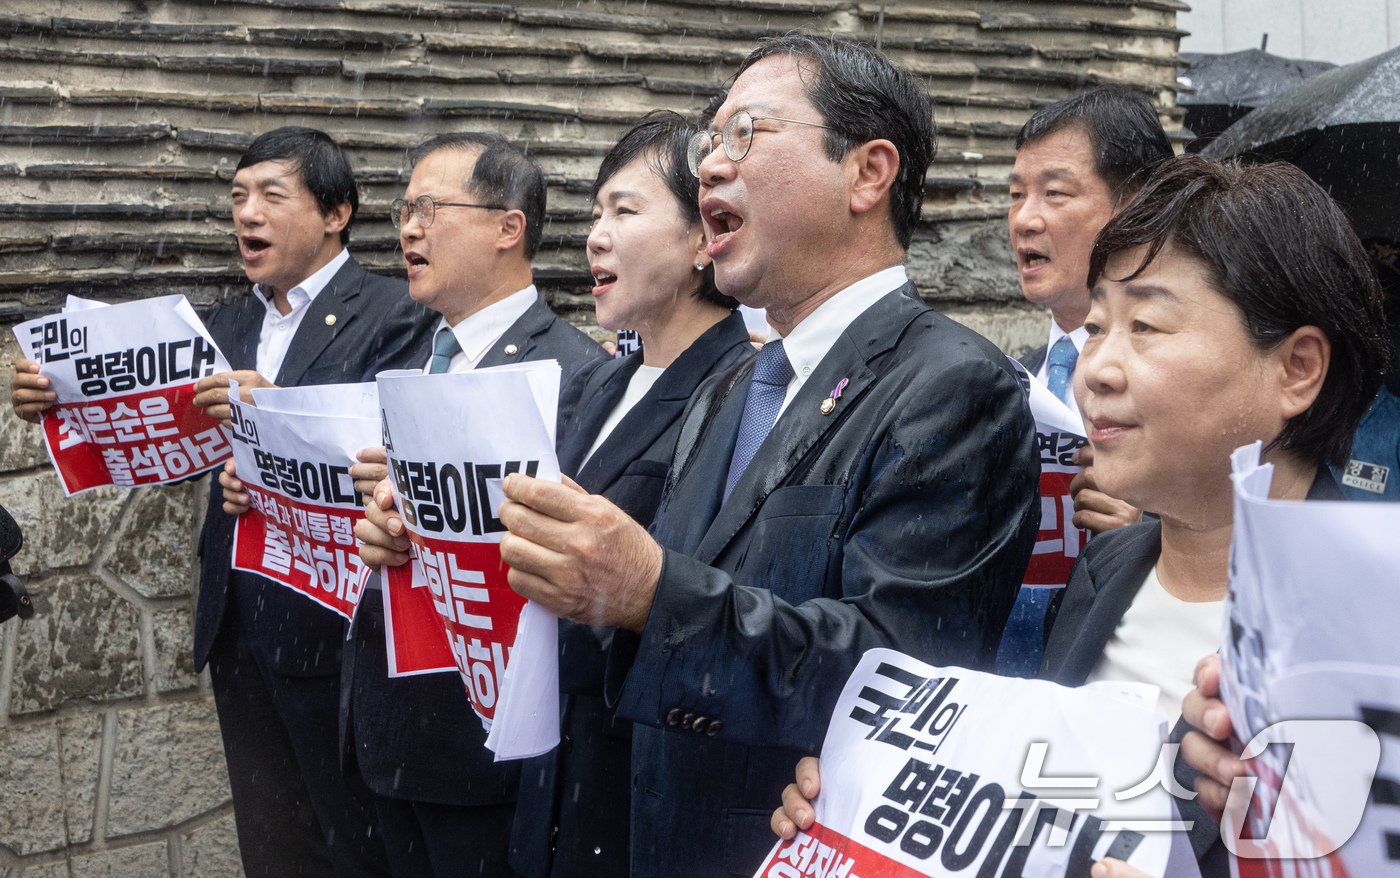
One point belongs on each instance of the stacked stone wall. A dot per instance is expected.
(120, 124)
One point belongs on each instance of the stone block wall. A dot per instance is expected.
(120, 124)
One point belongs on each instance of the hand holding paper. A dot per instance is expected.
(1207, 750)
(373, 468)
(211, 393)
(236, 500)
(382, 531)
(577, 554)
(30, 393)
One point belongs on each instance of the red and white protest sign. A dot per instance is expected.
(124, 376)
(1059, 433)
(451, 439)
(1312, 681)
(295, 467)
(948, 772)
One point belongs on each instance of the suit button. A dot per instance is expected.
(714, 727)
(673, 717)
(700, 723)
(687, 720)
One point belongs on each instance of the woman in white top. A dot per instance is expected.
(618, 427)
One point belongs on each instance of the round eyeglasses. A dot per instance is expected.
(736, 138)
(425, 208)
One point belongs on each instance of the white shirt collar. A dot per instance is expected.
(1078, 336)
(477, 332)
(306, 292)
(811, 339)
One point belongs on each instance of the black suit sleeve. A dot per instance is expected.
(940, 520)
(404, 337)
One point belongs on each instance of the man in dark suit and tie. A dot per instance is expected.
(314, 317)
(469, 224)
(869, 480)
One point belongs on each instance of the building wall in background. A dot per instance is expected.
(120, 124)
(1341, 31)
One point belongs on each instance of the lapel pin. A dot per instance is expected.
(829, 404)
(512, 350)
(330, 320)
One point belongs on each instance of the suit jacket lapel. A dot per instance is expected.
(516, 343)
(1117, 580)
(327, 315)
(247, 327)
(588, 421)
(662, 405)
(802, 426)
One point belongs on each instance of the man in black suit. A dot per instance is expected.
(314, 317)
(469, 224)
(892, 504)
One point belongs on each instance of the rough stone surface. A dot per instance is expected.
(167, 767)
(211, 850)
(35, 783)
(966, 263)
(31, 783)
(58, 532)
(1014, 330)
(46, 870)
(80, 747)
(173, 631)
(154, 543)
(149, 859)
(20, 445)
(82, 644)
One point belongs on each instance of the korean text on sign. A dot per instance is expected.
(124, 376)
(299, 531)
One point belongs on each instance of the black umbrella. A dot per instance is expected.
(1226, 87)
(1342, 128)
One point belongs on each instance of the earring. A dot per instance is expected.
(699, 266)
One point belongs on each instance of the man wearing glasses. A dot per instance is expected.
(869, 480)
(469, 224)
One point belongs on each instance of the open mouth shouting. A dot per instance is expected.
(1030, 259)
(417, 263)
(721, 224)
(603, 280)
(251, 247)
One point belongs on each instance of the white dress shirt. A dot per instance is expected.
(275, 337)
(1079, 336)
(478, 332)
(810, 340)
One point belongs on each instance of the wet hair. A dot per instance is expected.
(661, 138)
(319, 161)
(863, 96)
(504, 174)
(1123, 130)
(1276, 245)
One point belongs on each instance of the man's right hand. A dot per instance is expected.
(236, 500)
(373, 468)
(382, 531)
(30, 394)
(1094, 510)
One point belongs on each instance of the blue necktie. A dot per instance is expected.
(771, 374)
(1060, 367)
(445, 347)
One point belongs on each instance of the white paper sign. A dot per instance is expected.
(1310, 636)
(948, 772)
(451, 440)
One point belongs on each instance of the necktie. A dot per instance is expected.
(771, 374)
(1060, 367)
(445, 347)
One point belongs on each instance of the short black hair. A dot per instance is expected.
(1278, 247)
(321, 164)
(1123, 129)
(504, 174)
(662, 138)
(863, 96)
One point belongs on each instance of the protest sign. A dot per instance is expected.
(1312, 681)
(451, 440)
(125, 375)
(294, 465)
(949, 772)
(1059, 433)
